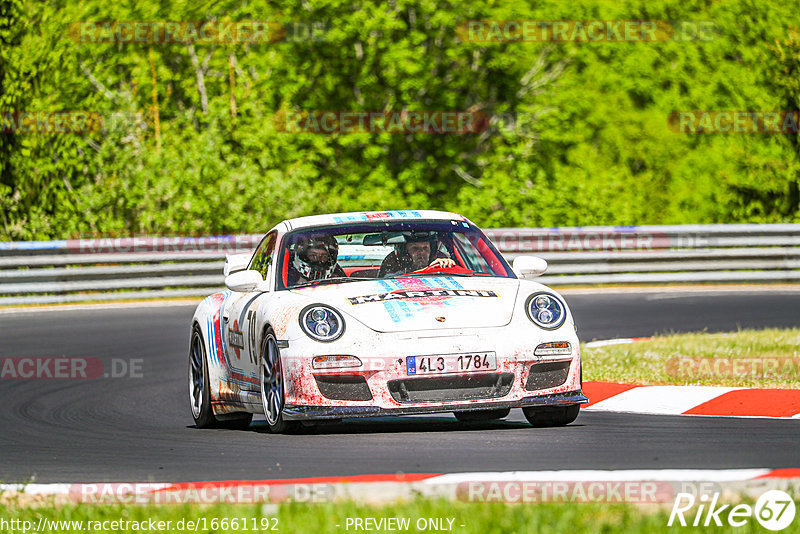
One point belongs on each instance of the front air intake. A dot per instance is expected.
(343, 387)
(547, 375)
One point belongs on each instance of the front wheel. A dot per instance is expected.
(474, 416)
(272, 396)
(551, 415)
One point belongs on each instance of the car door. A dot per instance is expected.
(240, 321)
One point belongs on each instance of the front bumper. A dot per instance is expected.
(383, 386)
(299, 412)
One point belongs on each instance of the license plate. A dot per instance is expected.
(451, 363)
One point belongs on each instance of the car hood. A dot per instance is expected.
(430, 302)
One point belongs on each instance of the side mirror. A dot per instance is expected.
(529, 266)
(243, 281)
(235, 263)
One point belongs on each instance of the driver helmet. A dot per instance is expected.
(315, 256)
(418, 237)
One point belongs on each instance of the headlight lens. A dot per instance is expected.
(322, 323)
(546, 310)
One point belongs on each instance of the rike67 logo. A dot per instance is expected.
(774, 510)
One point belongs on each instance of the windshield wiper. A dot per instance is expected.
(334, 280)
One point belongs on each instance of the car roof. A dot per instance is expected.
(369, 216)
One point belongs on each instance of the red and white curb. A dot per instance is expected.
(470, 486)
(687, 400)
(692, 400)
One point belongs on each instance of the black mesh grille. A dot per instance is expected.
(451, 388)
(343, 387)
(547, 375)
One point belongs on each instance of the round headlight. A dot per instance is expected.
(321, 322)
(546, 310)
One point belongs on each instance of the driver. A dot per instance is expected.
(314, 257)
(419, 251)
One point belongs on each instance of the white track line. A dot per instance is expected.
(450, 479)
(659, 475)
(660, 400)
(37, 489)
(689, 290)
(607, 342)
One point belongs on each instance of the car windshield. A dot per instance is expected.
(340, 254)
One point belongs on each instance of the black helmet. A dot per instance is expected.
(418, 237)
(315, 270)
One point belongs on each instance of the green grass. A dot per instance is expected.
(748, 358)
(477, 518)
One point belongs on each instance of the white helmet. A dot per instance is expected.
(309, 267)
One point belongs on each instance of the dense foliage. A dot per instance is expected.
(579, 134)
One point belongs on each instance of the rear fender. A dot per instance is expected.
(208, 318)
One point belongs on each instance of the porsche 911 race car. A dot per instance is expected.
(381, 313)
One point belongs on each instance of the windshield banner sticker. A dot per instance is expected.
(421, 294)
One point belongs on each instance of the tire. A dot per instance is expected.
(551, 416)
(474, 416)
(272, 391)
(200, 393)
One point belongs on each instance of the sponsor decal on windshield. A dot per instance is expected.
(421, 294)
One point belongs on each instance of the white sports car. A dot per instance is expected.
(377, 313)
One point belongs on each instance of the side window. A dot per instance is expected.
(262, 259)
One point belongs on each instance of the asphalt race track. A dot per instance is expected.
(140, 428)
